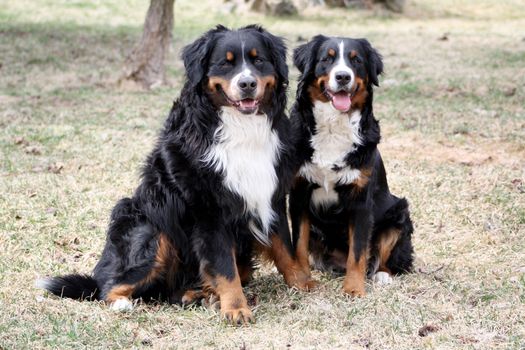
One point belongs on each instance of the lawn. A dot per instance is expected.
(452, 112)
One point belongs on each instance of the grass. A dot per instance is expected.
(453, 124)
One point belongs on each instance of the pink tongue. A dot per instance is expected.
(247, 103)
(341, 101)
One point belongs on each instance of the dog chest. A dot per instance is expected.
(336, 135)
(245, 152)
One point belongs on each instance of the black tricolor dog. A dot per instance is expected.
(340, 202)
(213, 190)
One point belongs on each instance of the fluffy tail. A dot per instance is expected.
(80, 287)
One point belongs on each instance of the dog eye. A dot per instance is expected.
(226, 64)
(257, 61)
(356, 60)
(325, 59)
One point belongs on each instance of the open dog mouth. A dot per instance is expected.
(342, 99)
(245, 106)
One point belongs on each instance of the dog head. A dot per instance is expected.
(338, 70)
(245, 69)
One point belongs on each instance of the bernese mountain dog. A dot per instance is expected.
(213, 191)
(341, 209)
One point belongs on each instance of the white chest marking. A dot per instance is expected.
(245, 151)
(336, 136)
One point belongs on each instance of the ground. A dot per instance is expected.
(452, 112)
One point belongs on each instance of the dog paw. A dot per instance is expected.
(382, 278)
(121, 305)
(301, 281)
(307, 285)
(354, 288)
(238, 316)
(192, 296)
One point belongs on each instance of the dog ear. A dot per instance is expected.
(197, 54)
(277, 50)
(304, 56)
(375, 62)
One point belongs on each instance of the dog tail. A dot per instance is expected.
(80, 287)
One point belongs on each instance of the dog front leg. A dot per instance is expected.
(219, 273)
(356, 263)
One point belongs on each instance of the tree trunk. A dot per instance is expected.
(145, 64)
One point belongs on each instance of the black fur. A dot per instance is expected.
(372, 210)
(185, 199)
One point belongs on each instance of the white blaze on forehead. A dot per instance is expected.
(246, 72)
(341, 66)
(243, 57)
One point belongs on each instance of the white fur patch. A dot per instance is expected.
(245, 151)
(336, 136)
(234, 92)
(121, 305)
(382, 278)
(42, 283)
(341, 66)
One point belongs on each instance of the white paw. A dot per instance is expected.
(382, 278)
(121, 305)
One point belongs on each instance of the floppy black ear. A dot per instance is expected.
(197, 54)
(304, 55)
(277, 50)
(375, 62)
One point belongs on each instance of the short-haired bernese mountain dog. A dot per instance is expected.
(341, 208)
(213, 190)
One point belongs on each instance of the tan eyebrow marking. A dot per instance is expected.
(229, 56)
(331, 52)
(353, 53)
(253, 52)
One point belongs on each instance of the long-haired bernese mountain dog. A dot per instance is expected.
(341, 209)
(213, 191)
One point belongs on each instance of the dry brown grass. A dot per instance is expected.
(453, 121)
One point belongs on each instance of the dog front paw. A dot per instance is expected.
(237, 316)
(354, 287)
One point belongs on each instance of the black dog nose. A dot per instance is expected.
(247, 84)
(342, 78)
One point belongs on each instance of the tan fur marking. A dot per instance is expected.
(190, 296)
(364, 177)
(229, 56)
(294, 273)
(253, 52)
(386, 244)
(353, 53)
(314, 90)
(302, 250)
(166, 262)
(122, 291)
(331, 52)
(214, 81)
(234, 306)
(354, 283)
(268, 80)
(359, 98)
(265, 85)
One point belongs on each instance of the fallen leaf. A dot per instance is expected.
(21, 141)
(33, 150)
(55, 168)
(510, 91)
(427, 329)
